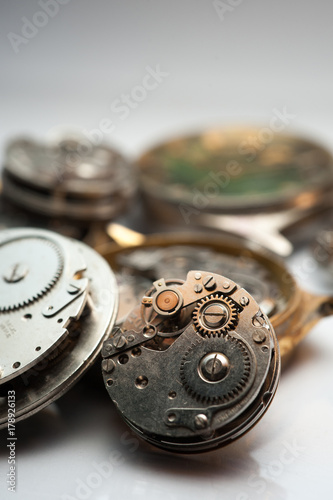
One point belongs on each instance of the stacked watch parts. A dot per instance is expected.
(291, 310)
(58, 300)
(70, 181)
(239, 180)
(194, 366)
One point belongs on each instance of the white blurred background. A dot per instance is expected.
(231, 61)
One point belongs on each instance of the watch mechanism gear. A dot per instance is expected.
(215, 315)
(225, 370)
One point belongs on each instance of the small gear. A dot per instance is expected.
(215, 315)
(29, 268)
(217, 370)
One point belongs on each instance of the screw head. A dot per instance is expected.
(215, 315)
(149, 331)
(259, 336)
(119, 342)
(214, 367)
(209, 283)
(198, 288)
(201, 421)
(244, 301)
(108, 365)
(258, 321)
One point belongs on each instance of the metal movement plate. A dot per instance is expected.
(58, 301)
(71, 178)
(195, 365)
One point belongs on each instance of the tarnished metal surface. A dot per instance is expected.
(58, 303)
(239, 181)
(70, 178)
(195, 366)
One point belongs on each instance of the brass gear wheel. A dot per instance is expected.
(235, 382)
(215, 315)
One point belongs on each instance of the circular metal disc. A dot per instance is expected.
(54, 347)
(195, 390)
(71, 178)
(236, 169)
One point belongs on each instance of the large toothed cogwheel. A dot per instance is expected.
(215, 315)
(29, 268)
(217, 370)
